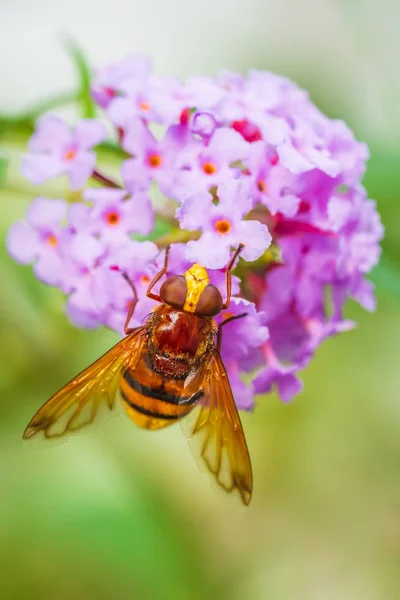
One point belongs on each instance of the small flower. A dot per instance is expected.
(55, 150)
(222, 226)
(273, 185)
(242, 335)
(283, 377)
(152, 159)
(114, 214)
(247, 159)
(153, 101)
(137, 260)
(40, 239)
(110, 81)
(202, 167)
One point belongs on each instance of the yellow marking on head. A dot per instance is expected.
(196, 279)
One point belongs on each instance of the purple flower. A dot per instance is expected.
(40, 239)
(152, 159)
(272, 184)
(110, 81)
(202, 167)
(114, 214)
(241, 336)
(283, 377)
(137, 259)
(100, 293)
(203, 124)
(247, 159)
(150, 102)
(55, 150)
(222, 226)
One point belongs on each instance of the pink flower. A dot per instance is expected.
(55, 150)
(110, 81)
(247, 160)
(204, 166)
(223, 226)
(40, 239)
(114, 214)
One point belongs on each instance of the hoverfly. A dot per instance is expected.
(168, 369)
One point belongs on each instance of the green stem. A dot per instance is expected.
(177, 236)
(105, 180)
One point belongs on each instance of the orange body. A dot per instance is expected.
(155, 392)
(167, 370)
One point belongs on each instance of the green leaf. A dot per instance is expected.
(111, 148)
(88, 107)
(3, 170)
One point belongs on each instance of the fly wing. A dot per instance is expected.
(216, 434)
(78, 403)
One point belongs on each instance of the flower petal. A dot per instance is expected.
(22, 243)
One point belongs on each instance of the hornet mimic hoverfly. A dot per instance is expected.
(168, 369)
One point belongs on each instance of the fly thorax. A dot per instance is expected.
(197, 280)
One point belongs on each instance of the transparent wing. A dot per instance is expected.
(216, 434)
(78, 403)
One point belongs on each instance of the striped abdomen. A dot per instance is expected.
(165, 384)
(153, 402)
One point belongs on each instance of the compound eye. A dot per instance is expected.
(173, 291)
(210, 302)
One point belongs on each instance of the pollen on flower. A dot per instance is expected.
(52, 240)
(144, 280)
(209, 168)
(261, 185)
(222, 226)
(70, 154)
(144, 105)
(154, 160)
(112, 218)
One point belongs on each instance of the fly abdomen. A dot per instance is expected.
(155, 406)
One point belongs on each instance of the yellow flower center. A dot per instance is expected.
(209, 168)
(154, 160)
(70, 154)
(144, 105)
(52, 240)
(222, 226)
(112, 218)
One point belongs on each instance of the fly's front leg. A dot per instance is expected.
(229, 269)
(132, 305)
(157, 277)
(220, 326)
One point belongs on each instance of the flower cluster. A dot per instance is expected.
(225, 161)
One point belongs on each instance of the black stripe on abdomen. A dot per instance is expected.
(159, 394)
(150, 413)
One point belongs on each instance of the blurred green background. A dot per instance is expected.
(122, 513)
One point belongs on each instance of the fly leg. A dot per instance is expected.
(220, 326)
(157, 277)
(229, 269)
(132, 304)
